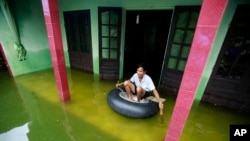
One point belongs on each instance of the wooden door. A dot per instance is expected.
(77, 24)
(178, 46)
(109, 42)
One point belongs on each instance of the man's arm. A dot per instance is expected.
(156, 94)
(119, 84)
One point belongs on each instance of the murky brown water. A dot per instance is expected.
(30, 110)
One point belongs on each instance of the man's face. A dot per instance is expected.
(140, 72)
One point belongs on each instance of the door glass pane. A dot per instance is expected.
(185, 52)
(181, 65)
(113, 54)
(193, 19)
(189, 37)
(175, 50)
(178, 37)
(114, 18)
(105, 53)
(172, 63)
(113, 43)
(182, 19)
(113, 31)
(88, 45)
(105, 17)
(105, 42)
(105, 30)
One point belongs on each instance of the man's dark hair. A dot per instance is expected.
(142, 65)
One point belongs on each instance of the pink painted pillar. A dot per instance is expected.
(208, 23)
(52, 21)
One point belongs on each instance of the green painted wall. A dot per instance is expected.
(31, 27)
(29, 19)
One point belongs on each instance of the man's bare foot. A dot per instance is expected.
(131, 98)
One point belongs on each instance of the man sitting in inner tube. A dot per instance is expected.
(141, 85)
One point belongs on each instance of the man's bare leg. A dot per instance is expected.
(140, 93)
(130, 88)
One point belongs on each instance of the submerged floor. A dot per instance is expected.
(30, 109)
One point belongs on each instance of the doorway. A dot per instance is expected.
(145, 41)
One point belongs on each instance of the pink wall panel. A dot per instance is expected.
(203, 37)
(52, 22)
(190, 80)
(212, 12)
(184, 99)
(197, 60)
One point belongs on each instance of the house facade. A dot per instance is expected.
(110, 37)
(195, 50)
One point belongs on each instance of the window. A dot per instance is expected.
(109, 32)
(77, 24)
(182, 35)
(236, 55)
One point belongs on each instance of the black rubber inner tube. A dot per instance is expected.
(129, 108)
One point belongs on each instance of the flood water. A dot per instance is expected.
(31, 110)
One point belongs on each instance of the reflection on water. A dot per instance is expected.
(16, 134)
(87, 116)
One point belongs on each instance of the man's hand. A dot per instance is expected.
(161, 105)
(161, 108)
(117, 85)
